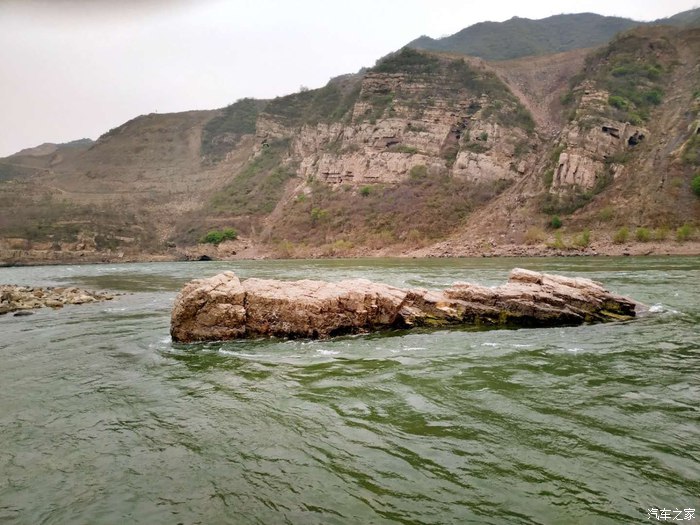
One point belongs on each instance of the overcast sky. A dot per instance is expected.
(76, 68)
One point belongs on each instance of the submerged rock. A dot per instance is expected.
(222, 307)
(14, 298)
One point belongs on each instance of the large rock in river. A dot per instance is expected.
(222, 307)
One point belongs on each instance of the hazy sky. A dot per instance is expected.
(76, 68)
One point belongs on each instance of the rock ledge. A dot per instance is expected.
(13, 298)
(222, 307)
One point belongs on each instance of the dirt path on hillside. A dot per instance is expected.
(540, 82)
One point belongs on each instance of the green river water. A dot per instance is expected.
(104, 421)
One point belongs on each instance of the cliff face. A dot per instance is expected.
(398, 123)
(439, 153)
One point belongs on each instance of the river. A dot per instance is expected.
(103, 420)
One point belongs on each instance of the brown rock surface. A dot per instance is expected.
(222, 307)
(14, 297)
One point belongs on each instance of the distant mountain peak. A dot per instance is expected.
(519, 37)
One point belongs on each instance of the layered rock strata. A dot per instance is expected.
(223, 307)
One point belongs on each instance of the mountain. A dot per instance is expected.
(690, 18)
(426, 153)
(519, 37)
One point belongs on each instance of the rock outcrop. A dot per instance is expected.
(223, 307)
(592, 145)
(14, 298)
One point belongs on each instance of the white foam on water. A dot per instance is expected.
(661, 308)
(323, 351)
(490, 344)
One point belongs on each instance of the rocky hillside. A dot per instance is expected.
(621, 168)
(426, 154)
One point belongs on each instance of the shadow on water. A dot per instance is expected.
(133, 282)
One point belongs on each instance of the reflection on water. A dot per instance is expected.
(104, 420)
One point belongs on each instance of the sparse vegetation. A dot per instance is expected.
(695, 185)
(683, 233)
(417, 172)
(450, 154)
(621, 235)
(548, 177)
(555, 222)
(566, 202)
(583, 240)
(426, 207)
(408, 60)
(476, 147)
(661, 233)
(558, 242)
(606, 213)
(256, 190)
(631, 72)
(330, 103)
(222, 132)
(642, 235)
(402, 148)
(535, 235)
(556, 153)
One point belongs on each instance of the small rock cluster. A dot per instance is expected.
(14, 298)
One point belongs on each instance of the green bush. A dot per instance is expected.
(605, 214)
(548, 177)
(476, 147)
(318, 215)
(558, 243)
(618, 102)
(583, 240)
(691, 151)
(661, 233)
(419, 171)
(555, 222)
(365, 191)
(402, 148)
(695, 185)
(684, 232)
(556, 153)
(621, 235)
(642, 235)
(216, 237)
(408, 60)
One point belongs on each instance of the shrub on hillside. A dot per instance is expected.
(534, 235)
(216, 237)
(695, 185)
(684, 232)
(583, 240)
(621, 235)
(642, 235)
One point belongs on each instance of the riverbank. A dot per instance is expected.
(235, 250)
